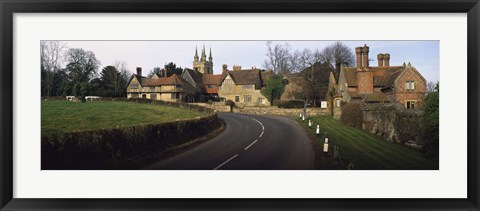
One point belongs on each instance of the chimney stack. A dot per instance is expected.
(358, 51)
(386, 60)
(237, 67)
(224, 67)
(139, 71)
(380, 60)
(365, 51)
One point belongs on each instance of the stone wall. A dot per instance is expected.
(393, 122)
(265, 110)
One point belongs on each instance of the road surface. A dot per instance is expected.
(249, 142)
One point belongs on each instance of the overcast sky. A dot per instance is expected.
(423, 55)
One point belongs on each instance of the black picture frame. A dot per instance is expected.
(9, 7)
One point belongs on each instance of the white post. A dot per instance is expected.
(303, 118)
(309, 123)
(318, 130)
(326, 140)
(300, 115)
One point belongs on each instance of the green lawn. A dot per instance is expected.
(61, 116)
(365, 150)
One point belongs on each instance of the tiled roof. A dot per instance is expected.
(375, 97)
(266, 74)
(243, 77)
(196, 76)
(382, 76)
(172, 80)
(212, 79)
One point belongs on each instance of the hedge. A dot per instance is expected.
(109, 148)
(290, 104)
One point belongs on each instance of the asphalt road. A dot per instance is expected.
(249, 142)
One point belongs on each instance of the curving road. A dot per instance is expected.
(249, 142)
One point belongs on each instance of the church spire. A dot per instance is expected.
(195, 58)
(210, 58)
(204, 55)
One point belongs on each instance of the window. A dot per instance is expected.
(211, 86)
(247, 86)
(410, 85)
(134, 86)
(153, 96)
(175, 96)
(410, 104)
(228, 81)
(152, 88)
(338, 103)
(178, 86)
(237, 98)
(134, 96)
(247, 98)
(144, 96)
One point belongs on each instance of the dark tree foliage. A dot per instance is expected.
(171, 68)
(275, 85)
(430, 122)
(112, 83)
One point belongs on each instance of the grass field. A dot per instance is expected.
(61, 116)
(365, 150)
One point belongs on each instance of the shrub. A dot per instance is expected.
(430, 123)
(291, 104)
(352, 115)
(97, 149)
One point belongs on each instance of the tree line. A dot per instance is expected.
(73, 71)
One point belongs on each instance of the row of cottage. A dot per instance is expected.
(370, 84)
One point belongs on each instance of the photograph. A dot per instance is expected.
(240, 104)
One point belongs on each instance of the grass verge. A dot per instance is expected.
(362, 150)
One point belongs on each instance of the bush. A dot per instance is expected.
(291, 104)
(98, 149)
(430, 124)
(352, 115)
(229, 103)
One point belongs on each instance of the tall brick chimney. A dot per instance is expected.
(139, 71)
(365, 51)
(358, 51)
(380, 60)
(224, 67)
(386, 60)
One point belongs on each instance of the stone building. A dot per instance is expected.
(380, 84)
(173, 88)
(242, 86)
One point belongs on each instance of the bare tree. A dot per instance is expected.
(50, 58)
(81, 65)
(338, 54)
(431, 86)
(122, 78)
(307, 61)
(278, 58)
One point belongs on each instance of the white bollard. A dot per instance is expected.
(318, 130)
(326, 140)
(303, 118)
(300, 115)
(309, 123)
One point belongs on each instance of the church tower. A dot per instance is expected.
(202, 65)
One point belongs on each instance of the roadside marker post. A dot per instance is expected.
(318, 130)
(309, 123)
(303, 118)
(325, 147)
(300, 115)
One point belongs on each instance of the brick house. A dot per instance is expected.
(379, 84)
(173, 88)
